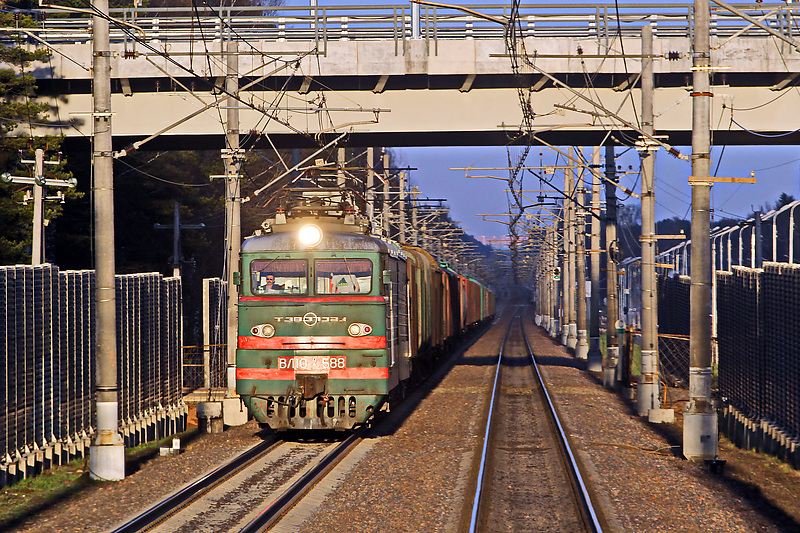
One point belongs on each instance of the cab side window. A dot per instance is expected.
(343, 276)
(279, 276)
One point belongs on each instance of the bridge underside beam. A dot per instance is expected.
(450, 92)
(432, 118)
(421, 138)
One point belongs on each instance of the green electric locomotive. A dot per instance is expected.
(320, 340)
(333, 321)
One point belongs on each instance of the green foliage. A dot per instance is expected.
(17, 87)
(18, 109)
(147, 185)
(784, 199)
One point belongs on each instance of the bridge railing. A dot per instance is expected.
(602, 22)
(47, 357)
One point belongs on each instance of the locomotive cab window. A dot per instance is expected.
(343, 276)
(279, 276)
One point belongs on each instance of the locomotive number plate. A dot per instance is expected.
(312, 363)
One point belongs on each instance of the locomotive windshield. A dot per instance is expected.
(279, 276)
(343, 276)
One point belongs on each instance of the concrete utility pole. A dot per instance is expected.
(386, 195)
(414, 221)
(581, 344)
(402, 207)
(548, 282)
(40, 184)
(566, 264)
(612, 306)
(556, 320)
(758, 259)
(594, 359)
(700, 439)
(647, 389)
(233, 412)
(37, 251)
(569, 235)
(107, 454)
(341, 161)
(370, 196)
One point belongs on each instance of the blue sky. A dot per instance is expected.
(777, 169)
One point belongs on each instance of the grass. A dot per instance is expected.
(29, 496)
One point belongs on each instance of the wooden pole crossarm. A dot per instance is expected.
(646, 238)
(718, 179)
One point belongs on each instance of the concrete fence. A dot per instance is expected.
(47, 358)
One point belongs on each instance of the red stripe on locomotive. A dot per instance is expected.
(288, 374)
(312, 343)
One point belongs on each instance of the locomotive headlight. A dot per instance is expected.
(310, 235)
(357, 329)
(263, 330)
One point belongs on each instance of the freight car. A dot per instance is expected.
(333, 321)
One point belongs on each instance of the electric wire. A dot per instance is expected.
(140, 171)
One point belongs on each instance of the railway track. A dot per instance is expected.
(528, 476)
(248, 494)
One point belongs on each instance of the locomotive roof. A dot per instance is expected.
(287, 241)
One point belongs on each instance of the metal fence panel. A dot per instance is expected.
(25, 365)
(4, 358)
(781, 307)
(88, 341)
(47, 345)
(741, 368)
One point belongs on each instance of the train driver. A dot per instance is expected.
(266, 283)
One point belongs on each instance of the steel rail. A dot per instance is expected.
(473, 522)
(196, 489)
(275, 510)
(589, 515)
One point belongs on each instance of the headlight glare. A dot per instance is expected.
(310, 235)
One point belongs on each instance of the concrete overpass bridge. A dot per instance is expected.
(395, 77)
